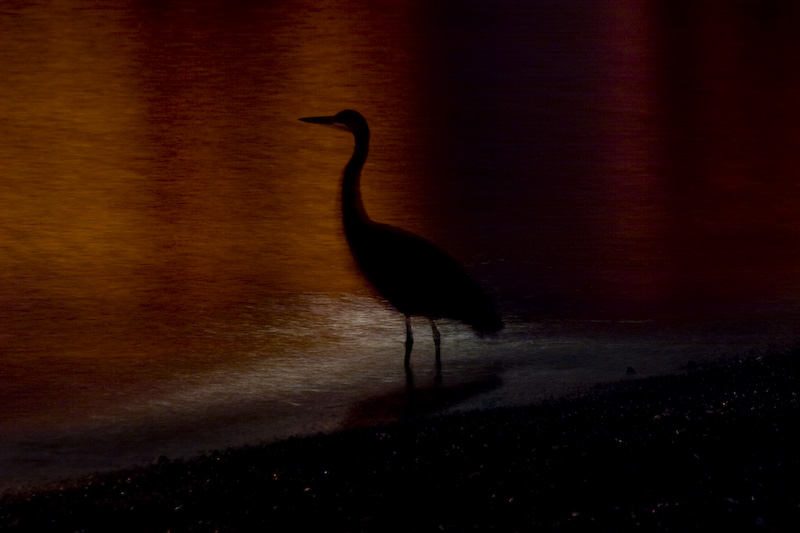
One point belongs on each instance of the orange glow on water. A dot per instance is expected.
(156, 182)
(166, 170)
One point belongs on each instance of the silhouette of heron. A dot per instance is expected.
(413, 274)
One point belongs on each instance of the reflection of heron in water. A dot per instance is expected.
(413, 274)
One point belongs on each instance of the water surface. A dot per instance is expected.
(173, 274)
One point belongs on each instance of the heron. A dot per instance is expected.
(414, 275)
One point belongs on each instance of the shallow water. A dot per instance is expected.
(173, 275)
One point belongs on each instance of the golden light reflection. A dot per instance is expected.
(60, 217)
(155, 160)
(158, 189)
(155, 172)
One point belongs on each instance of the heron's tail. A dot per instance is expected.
(487, 323)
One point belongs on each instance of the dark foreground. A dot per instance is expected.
(716, 448)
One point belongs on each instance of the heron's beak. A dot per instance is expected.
(326, 121)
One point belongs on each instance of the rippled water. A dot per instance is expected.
(173, 275)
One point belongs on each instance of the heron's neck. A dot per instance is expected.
(353, 212)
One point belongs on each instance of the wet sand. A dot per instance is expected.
(713, 446)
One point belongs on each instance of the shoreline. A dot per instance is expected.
(715, 445)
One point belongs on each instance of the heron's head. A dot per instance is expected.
(347, 120)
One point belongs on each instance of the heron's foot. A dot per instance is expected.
(438, 378)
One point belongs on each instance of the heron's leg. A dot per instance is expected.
(436, 338)
(409, 345)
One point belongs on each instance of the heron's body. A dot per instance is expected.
(418, 278)
(411, 273)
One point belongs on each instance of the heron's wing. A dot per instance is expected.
(419, 278)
